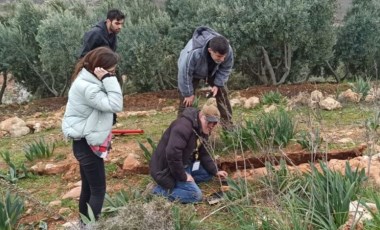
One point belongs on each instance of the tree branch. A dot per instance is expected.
(268, 66)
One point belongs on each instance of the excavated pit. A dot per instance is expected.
(291, 158)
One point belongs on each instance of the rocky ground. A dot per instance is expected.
(157, 101)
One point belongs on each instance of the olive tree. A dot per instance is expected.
(59, 37)
(272, 40)
(358, 44)
(148, 54)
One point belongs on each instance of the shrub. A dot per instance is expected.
(39, 149)
(327, 194)
(273, 97)
(276, 128)
(362, 86)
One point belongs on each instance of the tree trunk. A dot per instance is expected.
(331, 69)
(287, 62)
(268, 66)
(3, 86)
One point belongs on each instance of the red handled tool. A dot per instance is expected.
(127, 131)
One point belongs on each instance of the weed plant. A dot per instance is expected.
(157, 214)
(310, 140)
(374, 223)
(148, 153)
(280, 181)
(269, 129)
(11, 209)
(39, 149)
(14, 174)
(326, 195)
(273, 97)
(362, 86)
(120, 200)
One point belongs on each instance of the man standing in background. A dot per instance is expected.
(103, 33)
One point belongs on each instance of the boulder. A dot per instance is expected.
(15, 126)
(330, 104)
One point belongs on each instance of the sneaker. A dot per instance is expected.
(149, 189)
(215, 198)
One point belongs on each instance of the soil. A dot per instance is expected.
(158, 100)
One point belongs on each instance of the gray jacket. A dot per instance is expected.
(192, 62)
(90, 107)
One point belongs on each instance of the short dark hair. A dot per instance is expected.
(219, 44)
(115, 14)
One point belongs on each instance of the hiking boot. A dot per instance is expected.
(149, 189)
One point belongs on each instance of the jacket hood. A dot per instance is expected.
(191, 114)
(202, 35)
(102, 25)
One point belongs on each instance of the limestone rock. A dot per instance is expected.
(251, 102)
(330, 104)
(73, 193)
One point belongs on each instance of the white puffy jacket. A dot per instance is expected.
(90, 107)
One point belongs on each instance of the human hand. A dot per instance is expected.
(188, 101)
(214, 90)
(100, 72)
(189, 178)
(222, 174)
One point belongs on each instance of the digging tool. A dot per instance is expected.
(127, 131)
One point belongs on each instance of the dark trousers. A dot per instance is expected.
(93, 177)
(222, 103)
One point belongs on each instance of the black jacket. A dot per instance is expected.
(96, 37)
(176, 150)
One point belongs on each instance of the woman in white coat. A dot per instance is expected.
(94, 96)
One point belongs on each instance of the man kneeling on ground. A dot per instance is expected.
(181, 159)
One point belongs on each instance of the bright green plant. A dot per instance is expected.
(182, 220)
(280, 181)
(238, 190)
(273, 97)
(372, 124)
(148, 153)
(119, 200)
(374, 223)
(196, 102)
(90, 219)
(13, 174)
(11, 209)
(362, 86)
(269, 129)
(39, 149)
(327, 194)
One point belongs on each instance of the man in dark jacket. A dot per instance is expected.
(207, 56)
(181, 159)
(103, 33)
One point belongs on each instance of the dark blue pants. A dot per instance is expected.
(93, 178)
(184, 191)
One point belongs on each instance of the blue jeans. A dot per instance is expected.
(93, 178)
(186, 191)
